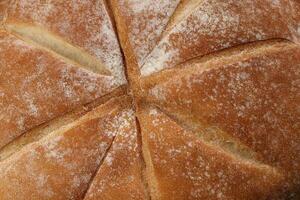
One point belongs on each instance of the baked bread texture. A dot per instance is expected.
(150, 99)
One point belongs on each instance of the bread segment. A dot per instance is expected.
(52, 43)
(253, 95)
(141, 24)
(214, 25)
(120, 175)
(48, 127)
(212, 111)
(35, 87)
(181, 166)
(83, 24)
(61, 165)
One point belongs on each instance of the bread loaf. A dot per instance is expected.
(168, 99)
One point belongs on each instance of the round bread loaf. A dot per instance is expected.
(149, 99)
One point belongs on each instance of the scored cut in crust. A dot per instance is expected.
(180, 165)
(60, 165)
(47, 63)
(120, 175)
(129, 99)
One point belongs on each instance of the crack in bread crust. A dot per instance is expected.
(212, 136)
(144, 173)
(58, 46)
(45, 129)
(164, 85)
(91, 135)
(215, 25)
(228, 55)
(98, 167)
(225, 56)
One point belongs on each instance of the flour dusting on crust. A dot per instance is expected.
(215, 25)
(146, 20)
(44, 87)
(85, 24)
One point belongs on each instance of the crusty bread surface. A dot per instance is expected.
(150, 100)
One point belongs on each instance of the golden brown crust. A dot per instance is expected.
(218, 110)
(144, 22)
(186, 168)
(254, 98)
(3, 5)
(215, 25)
(83, 24)
(36, 87)
(44, 129)
(120, 175)
(61, 165)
